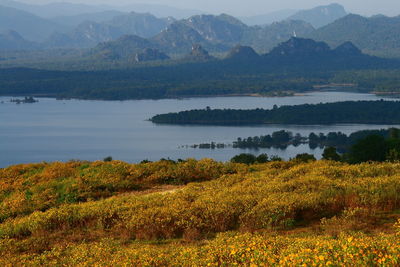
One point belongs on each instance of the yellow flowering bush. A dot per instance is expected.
(276, 214)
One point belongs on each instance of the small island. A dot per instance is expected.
(283, 139)
(26, 100)
(359, 112)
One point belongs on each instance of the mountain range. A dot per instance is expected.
(295, 54)
(63, 9)
(106, 31)
(81, 26)
(90, 33)
(215, 33)
(294, 65)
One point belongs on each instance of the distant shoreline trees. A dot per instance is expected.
(365, 112)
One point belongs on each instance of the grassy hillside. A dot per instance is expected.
(198, 213)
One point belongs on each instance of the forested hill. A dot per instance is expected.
(365, 112)
(295, 65)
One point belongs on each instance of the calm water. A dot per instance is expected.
(91, 130)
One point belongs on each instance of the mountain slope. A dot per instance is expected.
(58, 9)
(321, 15)
(179, 38)
(302, 54)
(54, 9)
(75, 20)
(265, 38)
(11, 40)
(27, 25)
(218, 29)
(223, 32)
(198, 54)
(89, 33)
(142, 24)
(269, 17)
(242, 53)
(125, 47)
(379, 35)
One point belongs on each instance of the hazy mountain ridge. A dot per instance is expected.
(221, 33)
(318, 16)
(57, 9)
(321, 15)
(263, 39)
(377, 34)
(11, 40)
(89, 34)
(29, 26)
(218, 34)
(269, 17)
(99, 17)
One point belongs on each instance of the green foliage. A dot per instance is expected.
(371, 148)
(330, 153)
(305, 157)
(108, 159)
(244, 158)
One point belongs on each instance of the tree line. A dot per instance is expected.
(365, 112)
(375, 146)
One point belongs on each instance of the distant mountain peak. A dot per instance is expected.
(222, 28)
(12, 35)
(11, 40)
(321, 15)
(348, 48)
(300, 47)
(240, 52)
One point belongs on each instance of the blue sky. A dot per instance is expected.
(255, 7)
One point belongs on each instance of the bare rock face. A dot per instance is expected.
(198, 53)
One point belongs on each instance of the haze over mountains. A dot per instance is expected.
(112, 34)
(376, 34)
(62, 9)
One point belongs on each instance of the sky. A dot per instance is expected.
(255, 7)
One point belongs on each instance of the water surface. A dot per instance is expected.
(60, 130)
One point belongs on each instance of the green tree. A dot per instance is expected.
(371, 148)
(262, 158)
(305, 157)
(244, 158)
(330, 153)
(108, 159)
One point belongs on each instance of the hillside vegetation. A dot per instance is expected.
(278, 213)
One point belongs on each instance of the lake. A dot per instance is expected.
(61, 130)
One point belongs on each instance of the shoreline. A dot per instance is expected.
(275, 94)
